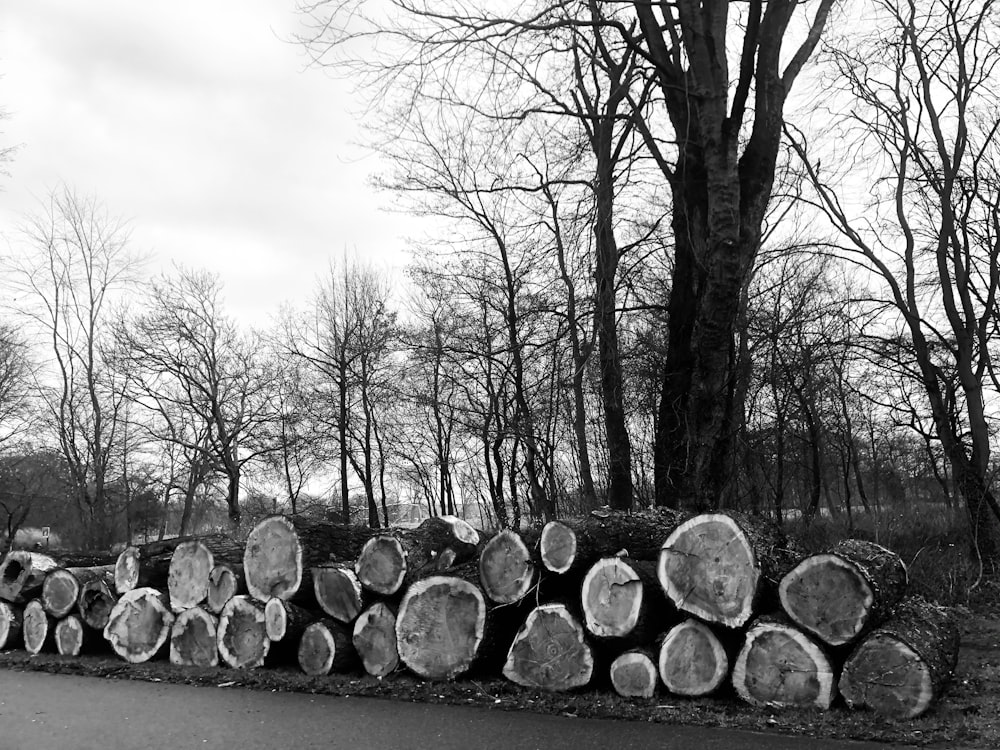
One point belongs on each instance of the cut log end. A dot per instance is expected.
(60, 592)
(223, 584)
(37, 627)
(127, 570)
(96, 603)
(381, 565)
(550, 651)
(194, 639)
(692, 660)
(612, 597)
(338, 592)
(139, 625)
(326, 647)
(557, 547)
(633, 675)
(187, 580)
(272, 560)
(69, 636)
(374, 638)
(10, 625)
(708, 568)
(780, 666)
(242, 634)
(505, 568)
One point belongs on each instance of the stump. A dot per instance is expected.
(224, 582)
(326, 646)
(242, 634)
(838, 595)
(505, 568)
(10, 625)
(780, 666)
(712, 566)
(621, 599)
(22, 575)
(96, 603)
(374, 639)
(633, 674)
(63, 586)
(903, 667)
(73, 637)
(440, 627)
(187, 581)
(338, 592)
(550, 651)
(139, 624)
(692, 660)
(37, 628)
(194, 639)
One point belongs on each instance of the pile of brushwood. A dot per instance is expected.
(654, 600)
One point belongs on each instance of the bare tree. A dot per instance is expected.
(16, 385)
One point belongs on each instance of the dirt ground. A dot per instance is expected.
(968, 717)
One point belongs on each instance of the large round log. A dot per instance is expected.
(224, 582)
(139, 624)
(440, 626)
(715, 566)
(506, 570)
(272, 560)
(621, 600)
(242, 633)
(22, 575)
(62, 587)
(38, 628)
(780, 666)
(903, 667)
(633, 674)
(374, 637)
(96, 602)
(10, 625)
(338, 591)
(194, 639)
(326, 646)
(550, 651)
(692, 660)
(187, 581)
(840, 594)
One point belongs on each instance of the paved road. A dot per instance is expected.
(58, 712)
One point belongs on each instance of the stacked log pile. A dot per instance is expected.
(643, 602)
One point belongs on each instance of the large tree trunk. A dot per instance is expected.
(550, 651)
(62, 587)
(194, 639)
(838, 595)
(139, 625)
(374, 638)
(692, 660)
(902, 667)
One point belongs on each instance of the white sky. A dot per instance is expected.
(199, 121)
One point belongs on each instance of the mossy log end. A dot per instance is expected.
(692, 660)
(550, 651)
(139, 624)
(903, 666)
(374, 637)
(38, 628)
(506, 570)
(840, 594)
(242, 633)
(440, 627)
(633, 674)
(194, 639)
(780, 666)
(96, 602)
(326, 646)
(338, 591)
(10, 625)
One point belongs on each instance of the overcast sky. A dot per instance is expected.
(201, 123)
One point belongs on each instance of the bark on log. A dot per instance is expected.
(374, 638)
(224, 582)
(633, 674)
(780, 666)
(38, 628)
(22, 575)
(550, 651)
(149, 565)
(622, 600)
(194, 639)
(139, 624)
(63, 586)
(840, 594)
(73, 637)
(10, 625)
(326, 646)
(242, 633)
(717, 566)
(187, 582)
(338, 592)
(96, 603)
(692, 660)
(506, 569)
(903, 666)
(440, 626)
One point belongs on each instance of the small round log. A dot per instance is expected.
(382, 564)
(904, 666)
(550, 651)
(187, 581)
(557, 547)
(194, 639)
(73, 637)
(692, 660)
(62, 587)
(139, 624)
(633, 674)
(780, 666)
(96, 603)
(242, 633)
(840, 594)
(440, 627)
(38, 628)
(224, 582)
(22, 575)
(505, 568)
(621, 599)
(284, 621)
(338, 592)
(374, 639)
(10, 625)
(326, 646)
(127, 568)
